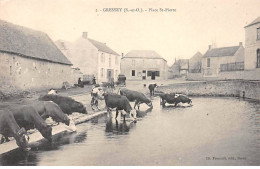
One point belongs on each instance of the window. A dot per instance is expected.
(133, 72)
(208, 62)
(116, 60)
(258, 58)
(11, 71)
(157, 73)
(133, 62)
(102, 57)
(102, 72)
(109, 61)
(258, 33)
(149, 73)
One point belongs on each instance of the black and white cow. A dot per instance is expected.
(137, 97)
(173, 98)
(119, 102)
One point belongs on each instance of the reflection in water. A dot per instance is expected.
(212, 127)
(19, 157)
(112, 125)
(140, 113)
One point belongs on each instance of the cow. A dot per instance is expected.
(67, 104)
(96, 94)
(173, 98)
(50, 109)
(119, 102)
(26, 116)
(137, 97)
(10, 128)
(151, 88)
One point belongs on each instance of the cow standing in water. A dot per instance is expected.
(67, 104)
(151, 87)
(137, 97)
(120, 103)
(173, 98)
(10, 128)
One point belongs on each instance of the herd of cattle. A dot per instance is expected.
(16, 120)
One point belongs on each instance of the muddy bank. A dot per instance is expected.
(234, 88)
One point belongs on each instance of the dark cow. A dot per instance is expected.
(10, 128)
(151, 87)
(174, 98)
(67, 104)
(26, 116)
(137, 97)
(119, 102)
(50, 109)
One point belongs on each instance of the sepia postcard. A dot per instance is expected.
(129, 83)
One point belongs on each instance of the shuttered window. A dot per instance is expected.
(258, 58)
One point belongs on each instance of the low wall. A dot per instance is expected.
(229, 75)
(234, 88)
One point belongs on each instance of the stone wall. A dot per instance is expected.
(236, 88)
(22, 74)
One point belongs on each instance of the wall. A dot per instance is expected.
(216, 88)
(85, 56)
(144, 64)
(30, 74)
(251, 46)
(246, 75)
(105, 65)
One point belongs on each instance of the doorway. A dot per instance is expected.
(110, 75)
(153, 76)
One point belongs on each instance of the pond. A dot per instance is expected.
(213, 131)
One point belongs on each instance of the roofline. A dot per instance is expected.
(106, 52)
(142, 58)
(14, 53)
(252, 24)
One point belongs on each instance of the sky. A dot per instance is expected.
(191, 28)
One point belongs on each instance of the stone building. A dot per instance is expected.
(144, 65)
(252, 45)
(29, 59)
(94, 58)
(217, 60)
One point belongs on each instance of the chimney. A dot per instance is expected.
(122, 54)
(209, 47)
(240, 44)
(85, 35)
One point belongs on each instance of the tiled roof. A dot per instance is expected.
(143, 54)
(102, 47)
(225, 51)
(29, 43)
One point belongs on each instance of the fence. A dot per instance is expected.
(236, 66)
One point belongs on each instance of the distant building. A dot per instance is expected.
(252, 45)
(195, 63)
(144, 65)
(180, 68)
(94, 58)
(217, 60)
(30, 60)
